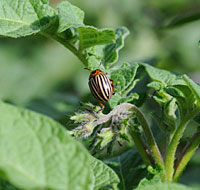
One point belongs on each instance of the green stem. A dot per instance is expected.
(186, 156)
(149, 136)
(170, 155)
(114, 186)
(68, 46)
(142, 148)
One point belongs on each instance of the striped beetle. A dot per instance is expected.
(100, 86)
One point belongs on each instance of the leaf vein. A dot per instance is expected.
(14, 21)
(21, 171)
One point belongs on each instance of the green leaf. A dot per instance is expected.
(69, 16)
(162, 80)
(124, 81)
(104, 175)
(24, 17)
(185, 99)
(54, 106)
(169, 107)
(169, 85)
(107, 54)
(164, 186)
(129, 168)
(153, 181)
(164, 77)
(90, 36)
(195, 88)
(118, 99)
(156, 85)
(37, 153)
(94, 57)
(114, 100)
(111, 51)
(169, 116)
(124, 76)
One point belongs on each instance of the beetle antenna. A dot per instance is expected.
(100, 63)
(87, 69)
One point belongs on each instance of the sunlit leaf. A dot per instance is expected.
(124, 76)
(90, 36)
(124, 82)
(24, 17)
(164, 77)
(111, 51)
(69, 16)
(37, 153)
(195, 88)
(104, 175)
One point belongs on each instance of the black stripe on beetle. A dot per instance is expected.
(106, 86)
(94, 88)
(100, 86)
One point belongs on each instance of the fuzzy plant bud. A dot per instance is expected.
(83, 131)
(106, 136)
(123, 133)
(81, 117)
(108, 128)
(86, 118)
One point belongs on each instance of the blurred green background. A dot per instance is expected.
(35, 67)
(42, 75)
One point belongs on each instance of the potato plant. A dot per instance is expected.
(37, 152)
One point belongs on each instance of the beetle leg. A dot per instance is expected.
(113, 86)
(102, 106)
(100, 63)
(112, 82)
(120, 144)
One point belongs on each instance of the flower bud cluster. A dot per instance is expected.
(110, 128)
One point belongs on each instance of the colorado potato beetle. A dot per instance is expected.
(101, 86)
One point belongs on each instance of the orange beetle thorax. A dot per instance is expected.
(96, 72)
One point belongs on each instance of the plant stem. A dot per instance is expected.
(68, 46)
(186, 156)
(170, 155)
(149, 136)
(114, 186)
(142, 148)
